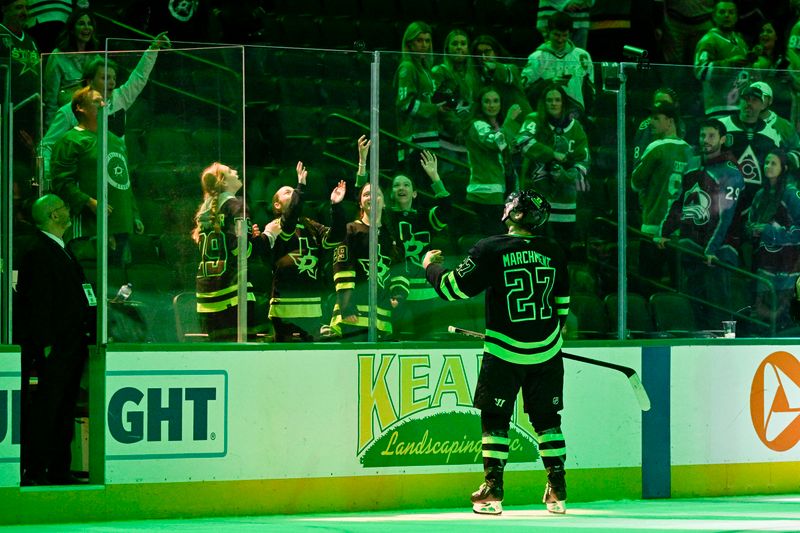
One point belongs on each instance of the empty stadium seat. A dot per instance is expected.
(638, 318)
(187, 324)
(673, 313)
(591, 316)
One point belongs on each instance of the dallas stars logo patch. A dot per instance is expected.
(304, 258)
(382, 268)
(29, 59)
(414, 243)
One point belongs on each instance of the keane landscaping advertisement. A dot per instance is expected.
(353, 411)
(416, 410)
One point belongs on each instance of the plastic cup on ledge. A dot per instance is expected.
(729, 329)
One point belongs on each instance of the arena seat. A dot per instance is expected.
(638, 318)
(187, 325)
(673, 313)
(591, 316)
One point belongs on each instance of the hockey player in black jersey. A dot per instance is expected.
(527, 302)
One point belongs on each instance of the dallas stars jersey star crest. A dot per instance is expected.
(297, 282)
(415, 230)
(351, 276)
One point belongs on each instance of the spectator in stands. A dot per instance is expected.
(74, 168)
(577, 9)
(700, 220)
(610, 27)
(770, 117)
(770, 54)
(195, 21)
(415, 228)
(101, 75)
(219, 220)
(454, 79)
(657, 179)
(299, 250)
(680, 25)
(417, 116)
(559, 61)
(18, 50)
(351, 267)
(750, 138)
(20, 47)
(771, 65)
(491, 173)
(645, 134)
(753, 13)
(774, 225)
(46, 19)
(793, 59)
(504, 77)
(556, 160)
(55, 319)
(720, 56)
(64, 71)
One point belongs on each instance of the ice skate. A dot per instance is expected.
(488, 499)
(556, 503)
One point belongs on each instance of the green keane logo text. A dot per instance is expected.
(416, 410)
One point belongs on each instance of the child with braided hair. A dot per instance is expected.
(215, 232)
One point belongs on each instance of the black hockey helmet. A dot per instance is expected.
(534, 208)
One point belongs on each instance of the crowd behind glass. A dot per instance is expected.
(462, 130)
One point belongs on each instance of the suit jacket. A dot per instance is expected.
(51, 303)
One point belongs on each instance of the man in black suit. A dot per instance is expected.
(53, 317)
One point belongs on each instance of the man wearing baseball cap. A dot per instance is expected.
(762, 90)
(657, 180)
(751, 137)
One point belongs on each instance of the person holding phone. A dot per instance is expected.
(559, 61)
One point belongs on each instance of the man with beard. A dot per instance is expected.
(702, 219)
(751, 137)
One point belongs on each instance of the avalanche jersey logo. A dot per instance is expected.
(414, 243)
(751, 169)
(382, 269)
(696, 204)
(304, 258)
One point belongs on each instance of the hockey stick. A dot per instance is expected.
(630, 373)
